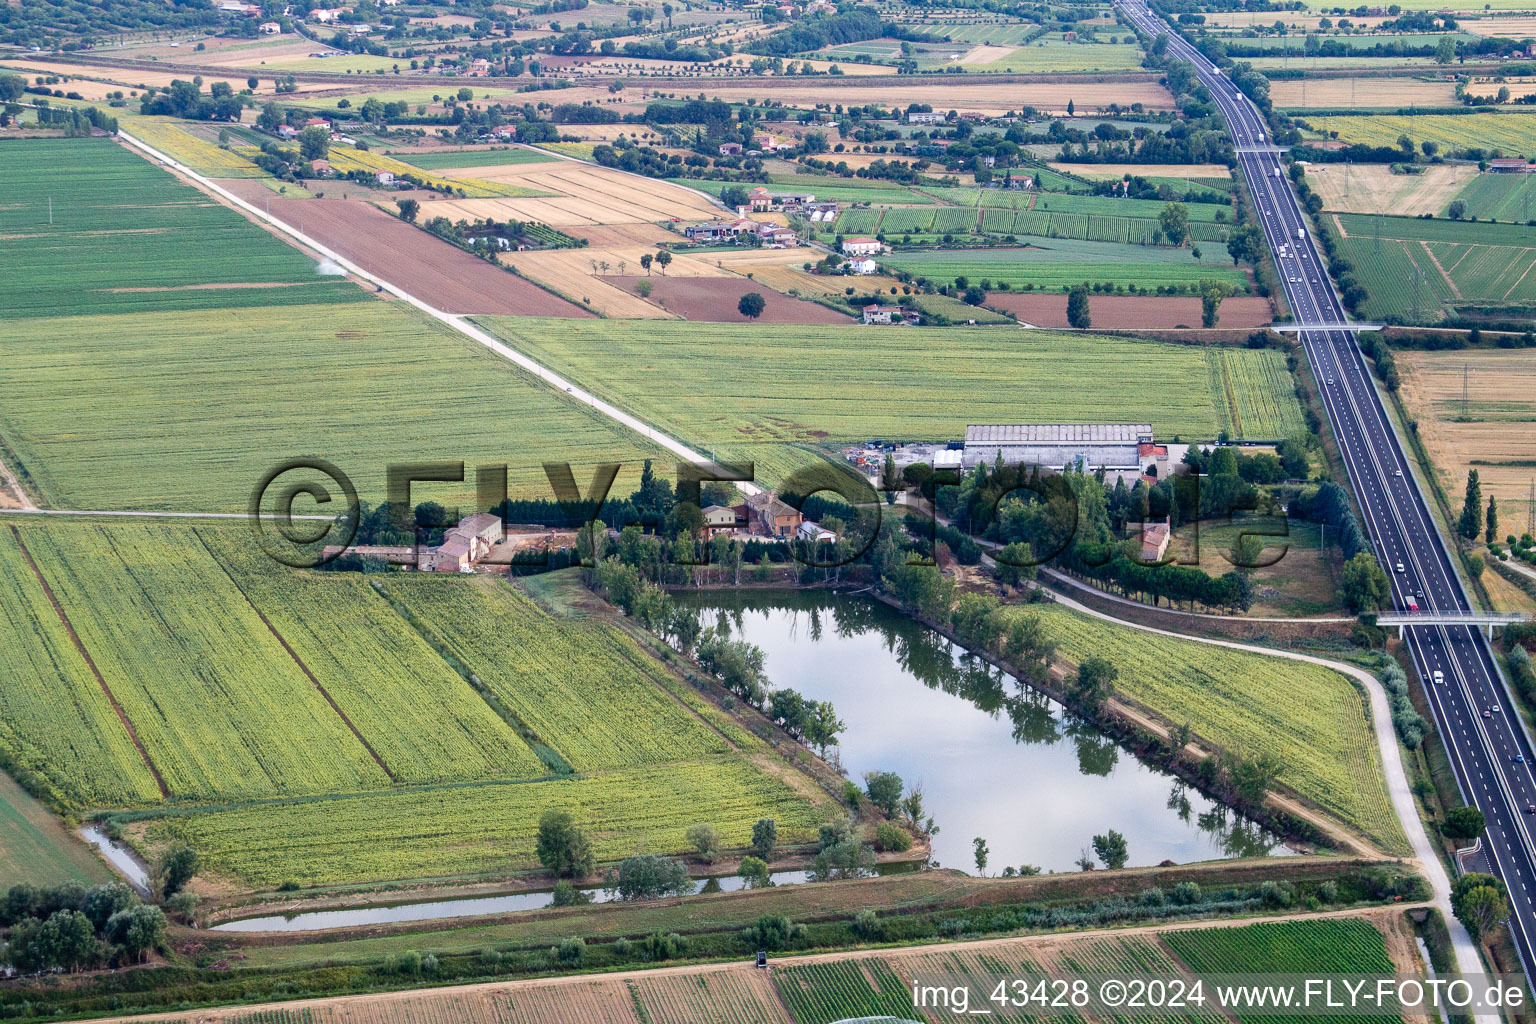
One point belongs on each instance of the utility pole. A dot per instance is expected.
(1530, 511)
(1466, 369)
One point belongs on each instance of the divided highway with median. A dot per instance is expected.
(1489, 748)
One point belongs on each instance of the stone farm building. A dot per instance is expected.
(467, 543)
(772, 517)
(1126, 451)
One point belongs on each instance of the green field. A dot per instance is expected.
(619, 711)
(471, 158)
(1513, 133)
(36, 848)
(1445, 263)
(1042, 215)
(1318, 948)
(1059, 264)
(125, 236)
(1310, 718)
(751, 398)
(1510, 197)
(1053, 55)
(201, 405)
(248, 682)
(488, 827)
(342, 64)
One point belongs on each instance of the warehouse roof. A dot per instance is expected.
(1058, 433)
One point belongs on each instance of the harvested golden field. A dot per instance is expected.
(1117, 171)
(1388, 93)
(1497, 432)
(1519, 26)
(604, 235)
(1373, 188)
(985, 54)
(986, 95)
(579, 194)
(579, 274)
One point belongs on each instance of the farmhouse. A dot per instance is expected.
(771, 516)
(814, 533)
(1510, 165)
(925, 118)
(723, 519)
(714, 231)
(270, 28)
(730, 149)
(1126, 451)
(861, 266)
(467, 543)
(385, 177)
(768, 142)
(861, 246)
(1155, 537)
(874, 313)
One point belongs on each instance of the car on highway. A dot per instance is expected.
(1518, 759)
(1400, 567)
(1439, 678)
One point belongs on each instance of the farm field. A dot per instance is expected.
(844, 190)
(578, 194)
(174, 393)
(1494, 438)
(222, 711)
(1411, 40)
(36, 848)
(1373, 188)
(471, 158)
(1115, 172)
(1508, 197)
(424, 720)
(1052, 55)
(1446, 264)
(1311, 719)
(1132, 311)
(1296, 62)
(1059, 264)
(171, 247)
(451, 279)
(1356, 92)
(1304, 581)
(583, 689)
(1513, 134)
(714, 299)
(485, 828)
(346, 158)
(761, 395)
(1047, 215)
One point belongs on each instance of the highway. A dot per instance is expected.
(1489, 749)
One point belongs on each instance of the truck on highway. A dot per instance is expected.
(1301, 234)
(1277, 172)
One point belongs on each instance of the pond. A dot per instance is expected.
(995, 761)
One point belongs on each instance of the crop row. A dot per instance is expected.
(1513, 133)
(346, 158)
(820, 993)
(718, 998)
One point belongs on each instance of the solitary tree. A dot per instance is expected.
(563, 848)
(663, 259)
(979, 846)
(884, 789)
(645, 262)
(1110, 848)
(765, 838)
(409, 208)
(1457, 209)
(177, 867)
(1471, 507)
(1212, 292)
(1174, 220)
(1491, 526)
(314, 143)
(1095, 679)
(1077, 307)
(751, 305)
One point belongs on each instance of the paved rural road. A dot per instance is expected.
(1489, 747)
(458, 323)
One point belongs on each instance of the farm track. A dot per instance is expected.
(297, 660)
(90, 663)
